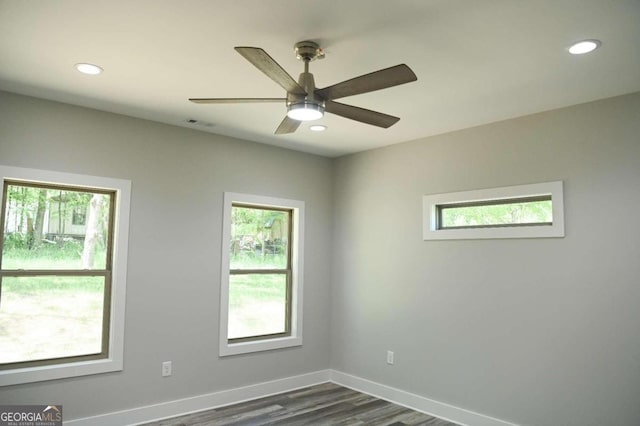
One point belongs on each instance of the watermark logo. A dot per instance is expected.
(30, 415)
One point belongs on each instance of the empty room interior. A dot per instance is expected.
(432, 203)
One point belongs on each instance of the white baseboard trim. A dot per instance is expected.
(209, 401)
(194, 404)
(416, 402)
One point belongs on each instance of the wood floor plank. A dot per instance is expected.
(326, 404)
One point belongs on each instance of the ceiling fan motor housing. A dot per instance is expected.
(310, 102)
(308, 51)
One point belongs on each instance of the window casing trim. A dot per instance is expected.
(114, 361)
(294, 337)
(431, 204)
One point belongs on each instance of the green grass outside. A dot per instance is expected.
(51, 285)
(255, 260)
(49, 316)
(65, 256)
(263, 287)
(50, 258)
(257, 301)
(72, 306)
(257, 304)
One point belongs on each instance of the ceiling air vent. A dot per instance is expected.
(199, 123)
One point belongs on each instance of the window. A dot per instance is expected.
(525, 211)
(496, 213)
(61, 280)
(261, 283)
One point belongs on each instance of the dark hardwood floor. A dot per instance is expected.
(324, 404)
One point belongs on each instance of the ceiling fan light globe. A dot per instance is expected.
(305, 111)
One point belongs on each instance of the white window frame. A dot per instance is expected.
(114, 362)
(297, 264)
(431, 202)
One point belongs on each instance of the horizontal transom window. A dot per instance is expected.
(523, 211)
(526, 211)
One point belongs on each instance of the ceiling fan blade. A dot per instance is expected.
(376, 80)
(361, 114)
(235, 100)
(265, 63)
(288, 125)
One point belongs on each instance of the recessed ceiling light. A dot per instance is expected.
(88, 69)
(318, 128)
(584, 46)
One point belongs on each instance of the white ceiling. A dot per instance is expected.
(476, 61)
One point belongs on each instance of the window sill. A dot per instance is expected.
(58, 371)
(228, 349)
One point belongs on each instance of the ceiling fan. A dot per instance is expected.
(305, 102)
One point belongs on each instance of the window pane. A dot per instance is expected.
(259, 238)
(497, 214)
(50, 317)
(48, 228)
(257, 304)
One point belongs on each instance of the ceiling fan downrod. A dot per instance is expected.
(309, 107)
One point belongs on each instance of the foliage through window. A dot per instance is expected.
(55, 274)
(496, 213)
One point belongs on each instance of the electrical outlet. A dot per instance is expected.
(166, 369)
(390, 357)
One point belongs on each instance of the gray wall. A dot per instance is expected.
(533, 331)
(178, 177)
